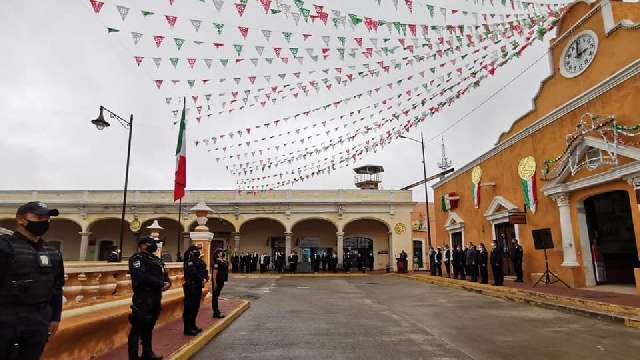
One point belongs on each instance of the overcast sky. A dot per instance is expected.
(59, 65)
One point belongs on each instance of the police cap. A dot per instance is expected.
(146, 240)
(38, 208)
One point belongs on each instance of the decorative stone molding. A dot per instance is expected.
(454, 223)
(493, 215)
(603, 87)
(561, 199)
(611, 175)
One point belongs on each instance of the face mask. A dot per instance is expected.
(152, 247)
(196, 254)
(37, 228)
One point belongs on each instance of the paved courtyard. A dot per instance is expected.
(383, 317)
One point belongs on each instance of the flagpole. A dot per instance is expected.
(180, 232)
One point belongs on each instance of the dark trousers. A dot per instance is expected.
(293, 267)
(215, 295)
(144, 314)
(31, 339)
(484, 274)
(447, 268)
(192, 297)
(263, 268)
(498, 276)
(432, 268)
(517, 267)
(456, 273)
(439, 269)
(461, 272)
(473, 269)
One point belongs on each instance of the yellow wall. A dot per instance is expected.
(614, 53)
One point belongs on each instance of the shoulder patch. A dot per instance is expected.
(136, 264)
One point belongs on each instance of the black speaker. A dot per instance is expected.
(542, 239)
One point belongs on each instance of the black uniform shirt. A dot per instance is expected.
(6, 256)
(221, 269)
(147, 272)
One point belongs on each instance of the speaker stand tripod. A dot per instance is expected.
(548, 276)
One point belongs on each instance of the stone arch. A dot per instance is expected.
(378, 231)
(371, 218)
(103, 230)
(314, 235)
(8, 223)
(260, 234)
(318, 218)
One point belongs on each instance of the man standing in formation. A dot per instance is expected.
(235, 262)
(278, 261)
(432, 261)
(455, 259)
(333, 262)
(483, 261)
(346, 261)
(293, 262)
(516, 257)
(496, 264)
(195, 275)
(265, 261)
(315, 262)
(149, 279)
(31, 280)
(219, 275)
(438, 261)
(447, 260)
(472, 262)
(324, 259)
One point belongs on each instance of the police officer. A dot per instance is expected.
(483, 260)
(218, 278)
(516, 257)
(496, 264)
(195, 275)
(149, 279)
(31, 280)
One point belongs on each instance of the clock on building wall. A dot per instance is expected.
(578, 54)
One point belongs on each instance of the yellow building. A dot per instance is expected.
(89, 225)
(571, 164)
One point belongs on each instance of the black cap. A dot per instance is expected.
(146, 240)
(38, 208)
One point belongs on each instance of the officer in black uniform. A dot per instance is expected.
(31, 280)
(218, 278)
(496, 264)
(516, 257)
(149, 279)
(195, 275)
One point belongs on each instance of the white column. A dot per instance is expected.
(568, 243)
(340, 250)
(287, 242)
(84, 244)
(236, 240)
(392, 259)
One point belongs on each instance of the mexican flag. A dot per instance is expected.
(445, 203)
(529, 190)
(181, 157)
(475, 191)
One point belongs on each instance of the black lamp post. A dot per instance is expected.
(101, 124)
(426, 190)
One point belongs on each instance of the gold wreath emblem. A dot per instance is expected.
(400, 228)
(135, 225)
(527, 168)
(476, 175)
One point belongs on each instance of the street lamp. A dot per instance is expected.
(101, 124)
(426, 190)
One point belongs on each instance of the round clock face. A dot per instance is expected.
(579, 54)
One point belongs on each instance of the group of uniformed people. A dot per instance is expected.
(473, 261)
(358, 260)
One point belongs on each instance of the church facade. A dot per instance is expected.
(569, 169)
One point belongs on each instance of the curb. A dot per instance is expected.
(191, 348)
(627, 315)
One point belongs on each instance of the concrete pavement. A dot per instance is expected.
(383, 317)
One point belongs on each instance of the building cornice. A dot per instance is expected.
(601, 88)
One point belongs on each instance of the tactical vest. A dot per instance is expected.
(30, 275)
